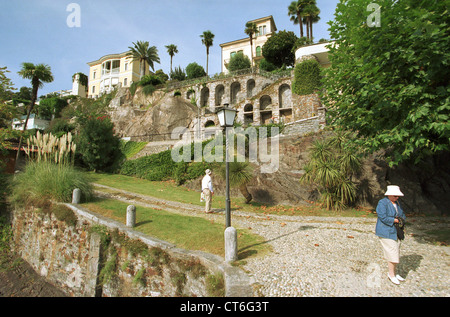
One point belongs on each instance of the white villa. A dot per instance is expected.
(33, 123)
(266, 27)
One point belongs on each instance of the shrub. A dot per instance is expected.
(160, 166)
(178, 74)
(239, 61)
(131, 148)
(99, 148)
(194, 70)
(331, 169)
(306, 77)
(45, 180)
(150, 80)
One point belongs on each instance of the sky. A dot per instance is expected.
(37, 31)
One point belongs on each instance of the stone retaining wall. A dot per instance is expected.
(99, 257)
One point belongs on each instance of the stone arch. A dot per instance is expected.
(250, 87)
(248, 114)
(210, 124)
(220, 91)
(284, 96)
(190, 94)
(204, 97)
(264, 102)
(235, 88)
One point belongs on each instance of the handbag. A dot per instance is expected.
(400, 225)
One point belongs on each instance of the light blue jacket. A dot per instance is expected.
(386, 214)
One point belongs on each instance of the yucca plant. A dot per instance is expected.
(240, 173)
(331, 169)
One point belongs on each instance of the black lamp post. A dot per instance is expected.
(226, 119)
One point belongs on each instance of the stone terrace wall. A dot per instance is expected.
(76, 258)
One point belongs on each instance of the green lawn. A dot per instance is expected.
(164, 190)
(193, 233)
(170, 191)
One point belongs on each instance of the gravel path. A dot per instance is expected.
(332, 256)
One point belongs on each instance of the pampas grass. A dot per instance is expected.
(43, 180)
(47, 147)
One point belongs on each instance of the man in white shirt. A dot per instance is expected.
(207, 189)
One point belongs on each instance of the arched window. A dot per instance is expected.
(258, 51)
(250, 86)
(284, 96)
(264, 102)
(220, 90)
(210, 124)
(248, 108)
(204, 97)
(235, 89)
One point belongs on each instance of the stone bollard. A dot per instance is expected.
(76, 196)
(131, 216)
(230, 244)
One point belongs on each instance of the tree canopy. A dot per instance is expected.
(278, 49)
(389, 82)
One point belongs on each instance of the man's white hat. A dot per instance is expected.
(208, 171)
(393, 190)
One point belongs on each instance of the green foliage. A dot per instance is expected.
(83, 78)
(145, 54)
(45, 180)
(131, 148)
(148, 90)
(97, 145)
(63, 213)
(150, 80)
(239, 61)
(215, 285)
(82, 109)
(160, 166)
(389, 84)
(330, 170)
(194, 70)
(306, 77)
(59, 126)
(267, 66)
(278, 49)
(133, 87)
(178, 74)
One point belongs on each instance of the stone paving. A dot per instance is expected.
(332, 256)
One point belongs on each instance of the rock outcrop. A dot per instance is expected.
(151, 118)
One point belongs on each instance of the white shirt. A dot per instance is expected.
(207, 183)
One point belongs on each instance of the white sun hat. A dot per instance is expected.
(208, 172)
(393, 190)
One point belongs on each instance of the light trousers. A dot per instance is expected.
(208, 195)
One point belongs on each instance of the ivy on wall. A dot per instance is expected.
(306, 77)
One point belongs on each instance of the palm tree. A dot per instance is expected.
(144, 53)
(172, 50)
(250, 29)
(295, 11)
(207, 40)
(311, 15)
(39, 74)
(240, 173)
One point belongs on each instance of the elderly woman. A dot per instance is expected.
(388, 212)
